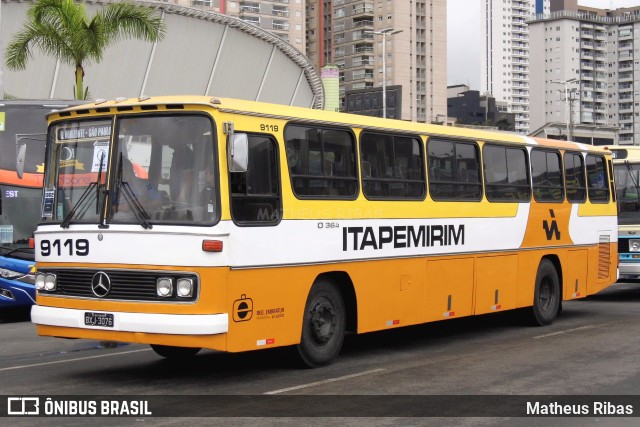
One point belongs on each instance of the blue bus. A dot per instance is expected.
(23, 128)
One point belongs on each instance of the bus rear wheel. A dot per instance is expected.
(323, 325)
(175, 353)
(546, 298)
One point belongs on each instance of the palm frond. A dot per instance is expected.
(124, 20)
(45, 38)
(61, 14)
(61, 28)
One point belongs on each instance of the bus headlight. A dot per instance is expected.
(39, 281)
(164, 287)
(185, 288)
(634, 245)
(49, 282)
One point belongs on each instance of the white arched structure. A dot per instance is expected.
(203, 53)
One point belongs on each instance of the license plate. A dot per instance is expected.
(103, 320)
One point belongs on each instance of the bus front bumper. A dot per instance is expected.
(629, 270)
(152, 323)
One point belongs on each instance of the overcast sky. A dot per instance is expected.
(463, 37)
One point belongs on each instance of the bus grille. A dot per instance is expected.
(125, 285)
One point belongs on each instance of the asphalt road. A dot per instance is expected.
(591, 350)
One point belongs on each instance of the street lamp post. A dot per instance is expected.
(569, 99)
(384, 33)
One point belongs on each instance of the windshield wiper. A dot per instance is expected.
(9, 250)
(67, 219)
(136, 207)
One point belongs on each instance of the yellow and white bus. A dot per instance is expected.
(198, 222)
(626, 167)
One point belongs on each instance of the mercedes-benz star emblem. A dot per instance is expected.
(100, 284)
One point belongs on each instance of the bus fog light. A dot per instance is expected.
(49, 282)
(39, 281)
(634, 245)
(185, 288)
(164, 287)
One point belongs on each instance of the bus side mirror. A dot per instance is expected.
(238, 152)
(22, 151)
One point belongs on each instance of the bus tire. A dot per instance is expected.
(175, 353)
(546, 298)
(323, 325)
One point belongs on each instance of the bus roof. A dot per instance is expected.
(626, 153)
(278, 111)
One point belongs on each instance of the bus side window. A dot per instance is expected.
(505, 174)
(547, 175)
(449, 164)
(392, 166)
(597, 179)
(574, 178)
(255, 194)
(321, 162)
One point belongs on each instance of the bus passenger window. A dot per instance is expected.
(506, 174)
(597, 179)
(321, 162)
(547, 176)
(392, 166)
(454, 170)
(574, 178)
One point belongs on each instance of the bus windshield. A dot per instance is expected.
(21, 127)
(19, 214)
(627, 177)
(146, 170)
(22, 146)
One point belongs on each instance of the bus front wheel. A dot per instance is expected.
(323, 325)
(546, 299)
(175, 352)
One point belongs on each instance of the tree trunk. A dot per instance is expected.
(79, 82)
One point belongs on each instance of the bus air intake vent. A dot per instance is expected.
(604, 252)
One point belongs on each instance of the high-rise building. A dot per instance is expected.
(284, 18)
(588, 61)
(350, 34)
(505, 72)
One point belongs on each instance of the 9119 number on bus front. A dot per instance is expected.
(79, 247)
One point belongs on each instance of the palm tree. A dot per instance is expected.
(61, 28)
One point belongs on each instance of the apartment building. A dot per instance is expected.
(284, 18)
(588, 61)
(505, 72)
(350, 34)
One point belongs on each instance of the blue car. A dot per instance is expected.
(17, 287)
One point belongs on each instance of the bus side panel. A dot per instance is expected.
(574, 274)
(496, 287)
(389, 293)
(266, 306)
(528, 262)
(449, 290)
